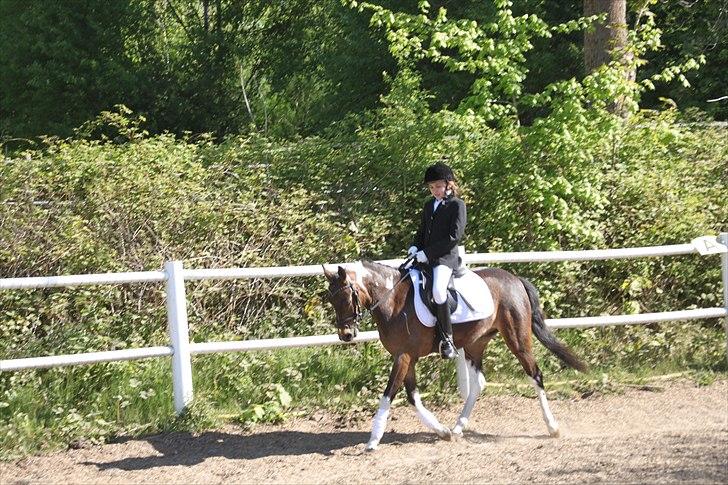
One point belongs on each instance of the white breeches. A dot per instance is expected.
(440, 278)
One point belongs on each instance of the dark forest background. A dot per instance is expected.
(284, 69)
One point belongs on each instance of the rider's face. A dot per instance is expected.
(437, 188)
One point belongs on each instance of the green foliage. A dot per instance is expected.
(221, 67)
(62, 63)
(272, 410)
(692, 30)
(297, 68)
(197, 417)
(116, 198)
(41, 409)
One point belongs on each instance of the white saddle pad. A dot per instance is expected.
(471, 287)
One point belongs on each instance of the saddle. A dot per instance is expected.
(426, 281)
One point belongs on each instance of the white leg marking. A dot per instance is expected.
(463, 373)
(379, 423)
(551, 423)
(477, 383)
(429, 419)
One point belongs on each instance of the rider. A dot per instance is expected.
(442, 227)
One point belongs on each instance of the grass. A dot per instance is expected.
(47, 410)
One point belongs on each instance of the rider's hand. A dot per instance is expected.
(421, 257)
(412, 251)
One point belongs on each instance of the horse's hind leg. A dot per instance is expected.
(396, 376)
(551, 423)
(521, 348)
(426, 417)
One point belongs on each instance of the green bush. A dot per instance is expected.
(578, 177)
(82, 206)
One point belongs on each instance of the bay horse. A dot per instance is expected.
(389, 295)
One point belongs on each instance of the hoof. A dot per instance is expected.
(457, 434)
(555, 433)
(372, 446)
(445, 434)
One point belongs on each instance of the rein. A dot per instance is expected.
(358, 313)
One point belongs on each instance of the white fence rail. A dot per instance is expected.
(181, 349)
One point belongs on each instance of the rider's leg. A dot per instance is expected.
(440, 279)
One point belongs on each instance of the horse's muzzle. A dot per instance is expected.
(347, 334)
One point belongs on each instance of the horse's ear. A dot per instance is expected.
(329, 274)
(342, 273)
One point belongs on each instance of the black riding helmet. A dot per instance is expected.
(438, 171)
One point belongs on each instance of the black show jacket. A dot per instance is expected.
(440, 232)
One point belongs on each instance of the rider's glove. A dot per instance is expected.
(412, 251)
(421, 257)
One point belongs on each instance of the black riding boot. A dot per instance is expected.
(444, 325)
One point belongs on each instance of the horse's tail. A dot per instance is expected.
(544, 335)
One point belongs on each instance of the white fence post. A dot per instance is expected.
(723, 239)
(179, 335)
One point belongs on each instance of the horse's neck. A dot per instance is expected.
(381, 289)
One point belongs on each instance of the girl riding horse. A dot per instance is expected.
(389, 295)
(442, 227)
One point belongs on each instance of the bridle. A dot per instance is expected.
(358, 313)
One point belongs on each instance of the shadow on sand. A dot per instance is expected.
(187, 449)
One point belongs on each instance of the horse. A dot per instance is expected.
(389, 296)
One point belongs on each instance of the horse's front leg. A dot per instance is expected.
(475, 386)
(396, 377)
(426, 417)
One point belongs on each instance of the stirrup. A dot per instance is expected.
(447, 349)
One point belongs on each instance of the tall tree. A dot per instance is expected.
(607, 38)
(62, 63)
(607, 41)
(691, 29)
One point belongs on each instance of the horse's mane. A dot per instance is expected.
(378, 267)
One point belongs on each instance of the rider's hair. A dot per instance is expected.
(453, 186)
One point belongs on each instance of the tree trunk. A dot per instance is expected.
(206, 15)
(607, 40)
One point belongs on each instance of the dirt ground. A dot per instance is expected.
(675, 432)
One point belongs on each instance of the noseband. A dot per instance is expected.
(357, 316)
